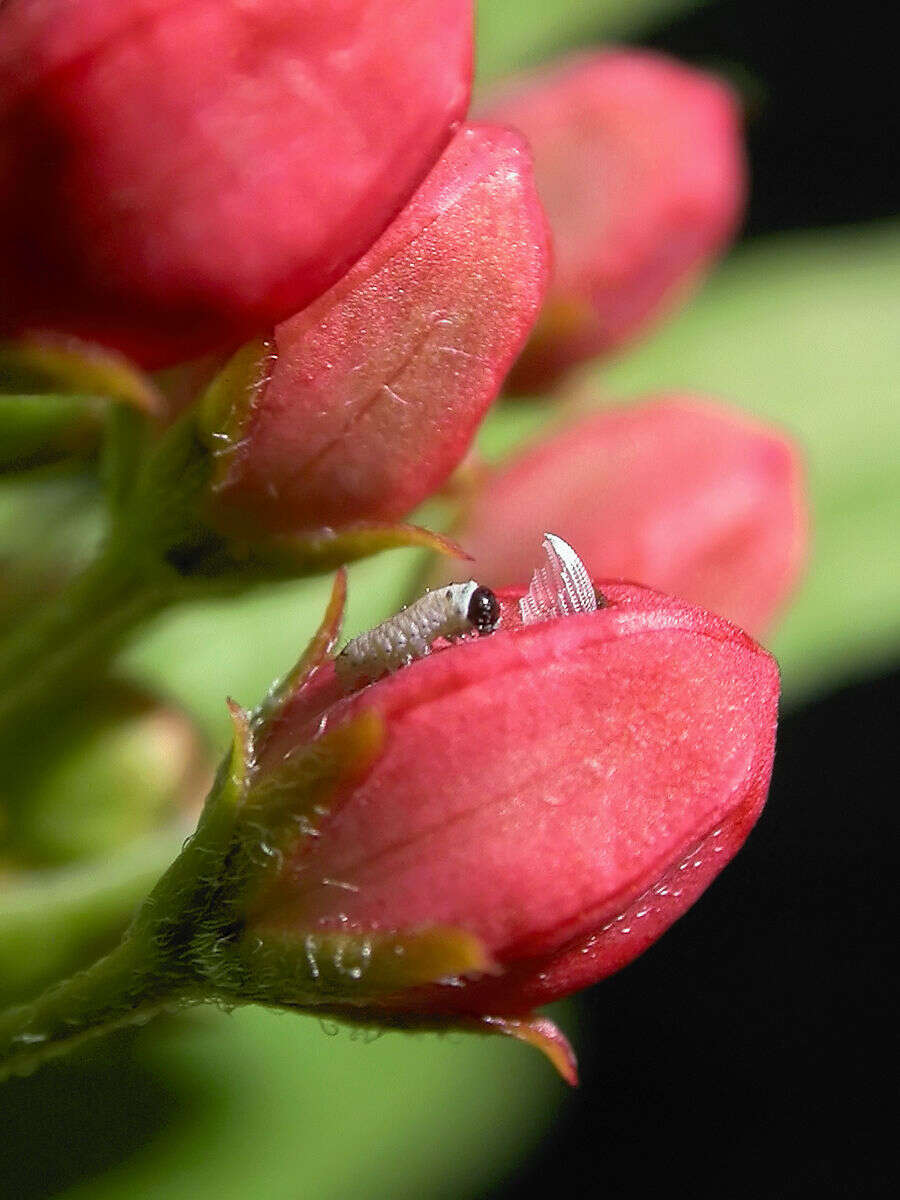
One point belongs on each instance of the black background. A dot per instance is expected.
(749, 1053)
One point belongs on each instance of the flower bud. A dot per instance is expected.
(639, 163)
(364, 403)
(501, 822)
(678, 493)
(178, 176)
(111, 769)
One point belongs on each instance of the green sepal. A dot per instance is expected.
(299, 781)
(293, 968)
(534, 1030)
(240, 761)
(326, 549)
(222, 412)
(199, 888)
(163, 515)
(222, 563)
(318, 651)
(228, 871)
(289, 801)
(44, 363)
(539, 1032)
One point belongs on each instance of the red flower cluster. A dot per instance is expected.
(176, 178)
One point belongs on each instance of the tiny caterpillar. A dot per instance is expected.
(448, 612)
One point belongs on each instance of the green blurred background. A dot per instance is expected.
(800, 325)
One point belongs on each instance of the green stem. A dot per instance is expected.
(126, 987)
(71, 636)
(156, 966)
(138, 573)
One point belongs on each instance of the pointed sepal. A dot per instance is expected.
(540, 1032)
(301, 784)
(222, 562)
(225, 407)
(319, 651)
(240, 760)
(287, 803)
(290, 555)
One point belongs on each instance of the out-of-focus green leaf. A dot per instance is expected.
(266, 1105)
(97, 774)
(54, 922)
(51, 522)
(44, 428)
(518, 33)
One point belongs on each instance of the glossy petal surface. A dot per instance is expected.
(374, 392)
(639, 164)
(562, 791)
(681, 494)
(177, 175)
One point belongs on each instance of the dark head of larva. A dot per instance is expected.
(484, 610)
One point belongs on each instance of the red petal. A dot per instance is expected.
(639, 163)
(676, 493)
(541, 782)
(378, 387)
(177, 175)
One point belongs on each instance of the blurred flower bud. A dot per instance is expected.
(365, 402)
(112, 768)
(502, 822)
(639, 163)
(177, 176)
(681, 494)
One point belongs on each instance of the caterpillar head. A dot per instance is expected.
(484, 610)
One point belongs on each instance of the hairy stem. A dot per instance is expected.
(155, 966)
(126, 987)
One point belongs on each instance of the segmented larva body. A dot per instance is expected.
(448, 612)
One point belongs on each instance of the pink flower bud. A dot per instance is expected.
(639, 163)
(370, 397)
(560, 792)
(177, 176)
(680, 494)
